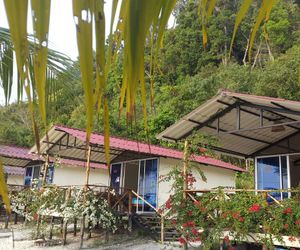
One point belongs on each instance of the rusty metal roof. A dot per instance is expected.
(246, 125)
(69, 143)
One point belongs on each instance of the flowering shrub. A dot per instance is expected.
(51, 201)
(206, 217)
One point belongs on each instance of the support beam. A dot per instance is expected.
(170, 138)
(209, 120)
(264, 117)
(229, 152)
(264, 127)
(267, 108)
(82, 148)
(274, 144)
(281, 106)
(238, 118)
(238, 135)
(246, 137)
(81, 160)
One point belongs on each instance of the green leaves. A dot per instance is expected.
(263, 14)
(40, 18)
(3, 188)
(205, 10)
(239, 17)
(83, 14)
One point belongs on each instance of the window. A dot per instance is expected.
(148, 183)
(115, 182)
(272, 174)
(33, 172)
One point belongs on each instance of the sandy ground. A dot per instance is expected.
(22, 241)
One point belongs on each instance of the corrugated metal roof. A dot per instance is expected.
(16, 156)
(70, 143)
(14, 170)
(221, 112)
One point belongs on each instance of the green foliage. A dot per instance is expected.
(35, 203)
(208, 216)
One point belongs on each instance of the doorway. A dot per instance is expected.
(273, 173)
(140, 176)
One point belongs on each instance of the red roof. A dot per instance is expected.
(141, 147)
(23, 153)
(16, 152)
(14, 170)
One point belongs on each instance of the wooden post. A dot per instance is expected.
(61, 225)
(38, 226)
(51, 228)
(130, 211)
(89, 230)
(65, 221)
(82, 225)
(75, 227)
(16, 219)
(65, 224)
(87, 176)
(87, 171)
(162, 229)
(45, 170)
(185, 184)
(7, 220)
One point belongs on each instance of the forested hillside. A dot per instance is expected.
(187, 74)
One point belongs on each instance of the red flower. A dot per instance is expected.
(202, 150)
(236, 215)
(226, 239)
(287, 211)
(189, 213)
(174, 222)
(292, 238)
(297, 222)
(185, 225)
(197, 203)
(195, 231)
(230, 248)
(168, 203)
(203, 209)
(286, 226)
(241, 219)
(35, 217)
(224, 215)
(191, 223)
(254, 208)
(181, 240)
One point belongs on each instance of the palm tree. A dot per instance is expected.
(140, 21)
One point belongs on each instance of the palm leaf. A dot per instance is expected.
(100, 51)
(16, 12)
(205, 11)
(239, 17)
(106, 134)
(41, 16)
(263, 14)
(3, 188)
(82, 11)
(138, 17)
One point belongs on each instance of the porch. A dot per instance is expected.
(159, 223)
(258, 129)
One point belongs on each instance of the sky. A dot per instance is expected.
(62, 33)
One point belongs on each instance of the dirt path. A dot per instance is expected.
(22, 241)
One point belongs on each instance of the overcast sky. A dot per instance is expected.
(62, 34)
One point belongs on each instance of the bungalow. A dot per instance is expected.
(263, 129)
(134, 165)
